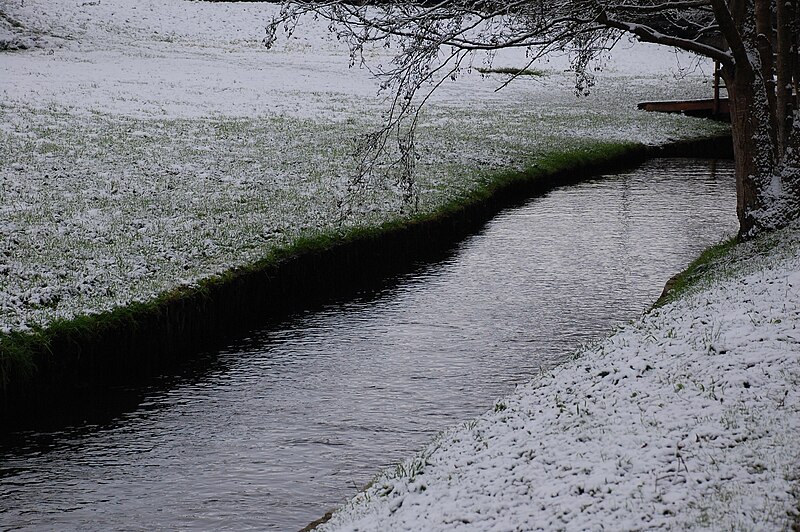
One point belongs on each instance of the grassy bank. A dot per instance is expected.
(690, 277)
(131, 342)
(144, 183)
(719, 263)
(153, 153)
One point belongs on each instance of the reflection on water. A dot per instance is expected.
(274, 430)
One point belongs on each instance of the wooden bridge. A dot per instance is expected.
(716, 107)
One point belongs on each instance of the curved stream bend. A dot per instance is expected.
(278, 427)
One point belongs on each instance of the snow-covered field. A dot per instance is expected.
(146, 144)
(685, 419)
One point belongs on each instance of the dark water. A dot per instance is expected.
(274, 430)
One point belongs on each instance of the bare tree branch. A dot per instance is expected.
(648, 34)
(740, 34)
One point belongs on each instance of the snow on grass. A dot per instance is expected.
(685, 419)
(147, 144)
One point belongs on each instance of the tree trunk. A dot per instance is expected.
(749, 162)
(766, 182)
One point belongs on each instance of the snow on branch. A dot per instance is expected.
(648, 34)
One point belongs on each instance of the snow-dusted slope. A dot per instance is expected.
(146, 144)
(181, 58)
(174, 58)
(686, 419)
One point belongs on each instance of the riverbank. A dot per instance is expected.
(257, 434)
(164, 145)
(684, 419)
(72, 358)
(170, 154)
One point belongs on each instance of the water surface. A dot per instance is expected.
(279, 427)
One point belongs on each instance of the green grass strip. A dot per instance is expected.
(697, 270)
(18, 350)
(511, 71)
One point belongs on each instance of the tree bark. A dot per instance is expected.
(763, 40)
(783, 73)
(752, 147)
(767, 183)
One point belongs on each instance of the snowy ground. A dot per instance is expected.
(149, 143)
(685, 419)
(146, 144)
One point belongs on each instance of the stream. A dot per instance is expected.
(281, 426)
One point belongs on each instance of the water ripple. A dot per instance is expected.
(272, 431)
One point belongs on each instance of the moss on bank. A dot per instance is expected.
(135, 341)
(688, 278)
(725, 260)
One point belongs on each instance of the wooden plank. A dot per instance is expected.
(707, 107)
